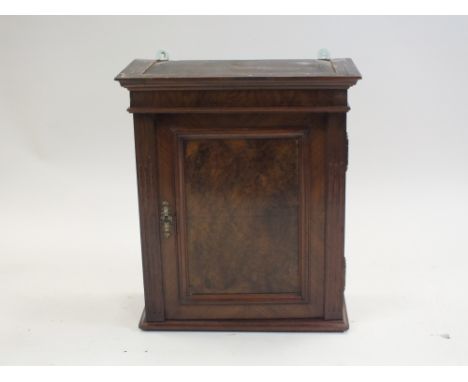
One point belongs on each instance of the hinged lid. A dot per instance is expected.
(239, 74)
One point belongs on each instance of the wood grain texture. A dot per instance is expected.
(337, 159)
(236, 110)
(245, 304)
(239, 74)
(251, 158)
(273, 325)
(147, 177)
(239, 101)
(242, 203)
(239, 98)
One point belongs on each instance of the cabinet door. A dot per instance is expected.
(246, 199)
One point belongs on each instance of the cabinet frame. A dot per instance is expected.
(285, 103)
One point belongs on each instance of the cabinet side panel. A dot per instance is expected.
(337, 156)
(147, 174)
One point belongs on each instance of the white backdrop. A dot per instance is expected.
(70, 269)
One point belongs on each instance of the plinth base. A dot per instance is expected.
(274, 325)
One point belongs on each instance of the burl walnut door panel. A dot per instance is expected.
(243, 242)
(242, 215)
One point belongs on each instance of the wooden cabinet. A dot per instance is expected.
(241, 178)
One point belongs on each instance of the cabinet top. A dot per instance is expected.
(140, 74)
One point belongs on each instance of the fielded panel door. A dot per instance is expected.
(242, 216)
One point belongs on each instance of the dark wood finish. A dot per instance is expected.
(235, 110)
(250, 158)
(239, 99)
(242, 215)
(147, 176)
(173, 134)
(337, 161)
(275, 325)
(247, 74)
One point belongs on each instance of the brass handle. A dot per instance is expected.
(166, 219)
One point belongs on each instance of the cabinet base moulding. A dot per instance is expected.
(272, 325)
